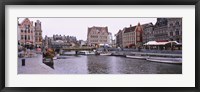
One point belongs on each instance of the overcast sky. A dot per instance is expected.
(78, 26)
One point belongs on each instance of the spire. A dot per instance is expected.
(138, 23)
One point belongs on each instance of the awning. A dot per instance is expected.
(161, 43)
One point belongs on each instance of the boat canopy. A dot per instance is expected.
(161, 43)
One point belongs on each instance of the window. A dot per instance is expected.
(177, 39)
(22, 31)
(22, 37)
(28, 37)
(40, 39)
(171, 25)
(25, 38)
(171, 33)
(177, 23)
(177, 32)
(26, 26)
(28, 30)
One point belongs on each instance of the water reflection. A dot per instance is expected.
(112, 65)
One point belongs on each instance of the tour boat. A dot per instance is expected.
(165, 60)
(105, 54)
(86, 53)
(136, 57)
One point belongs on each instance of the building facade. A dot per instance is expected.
(97, 35)
(168, 29)
(110, 38)
(60, 42)
(160, 31)
(138, 36)
(175, 29)
(65, 38)
(165, 29)
(128, 37)
(119, 38)
(147, 32)
(38, 34)
(26, 33)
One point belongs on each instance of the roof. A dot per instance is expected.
(161, 22)
(147, 25)
(129, 29)
(26, 21)
(99, 28)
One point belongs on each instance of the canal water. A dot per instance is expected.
(112, 65)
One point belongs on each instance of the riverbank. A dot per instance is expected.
(33, 65)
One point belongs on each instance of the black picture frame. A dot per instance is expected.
(3, 3)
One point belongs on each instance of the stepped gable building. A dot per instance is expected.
(147, 32)
(175, 29)
(160, 31)
(97, 35)
(26, 33)
(168, 29)
(138, 36)
(30, 35)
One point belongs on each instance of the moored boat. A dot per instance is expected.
(86, 53)
(136, 57)
(165, 60)
(105, 54)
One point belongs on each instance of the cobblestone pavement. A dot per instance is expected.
(33, 65)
